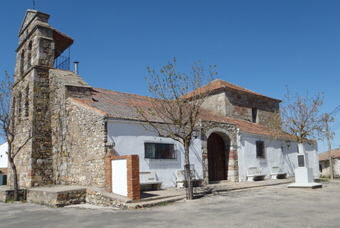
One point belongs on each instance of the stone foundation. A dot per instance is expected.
(69, 195)
(57, 199)
(9, 194)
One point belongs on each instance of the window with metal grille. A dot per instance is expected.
(159, 151)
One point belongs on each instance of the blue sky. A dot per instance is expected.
(261, 45)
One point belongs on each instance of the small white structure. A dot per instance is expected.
(4, 155)
(303, 173)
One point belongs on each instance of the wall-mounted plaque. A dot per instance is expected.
(301, 160)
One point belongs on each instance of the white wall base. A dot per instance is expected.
(304, 175)
(304, 179)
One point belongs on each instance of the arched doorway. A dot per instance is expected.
(217, 158)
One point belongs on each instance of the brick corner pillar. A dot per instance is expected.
(108, 172)
(233, 172)
(133, 177)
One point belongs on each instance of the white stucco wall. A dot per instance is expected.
(276, 154)
(336, 167)
(3, 155)
(313, 158)
(129, 138)
(119, 177)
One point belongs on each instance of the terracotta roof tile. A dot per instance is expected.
(325, 155)
(221, 84)
(118, 104)
(123, 106)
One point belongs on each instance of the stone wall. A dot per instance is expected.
(60, 155)
(236, 104)
(41, 142)
(240, 105)
(102, 199)
(78, 136)
(30, 101)
(84, 146)
(6, 195)
(58, 199)
(216, 103)
(22, 120)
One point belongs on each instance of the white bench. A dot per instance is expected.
(148, 181)
(254, 174)
(276, 173)
(181, 180)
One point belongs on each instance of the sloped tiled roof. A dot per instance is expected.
(221, 84)
(121, 105)
(118, 104)
(69, 78)
(325, 155)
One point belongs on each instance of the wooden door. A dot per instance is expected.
(216, 158)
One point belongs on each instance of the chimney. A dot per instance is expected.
(76, 67)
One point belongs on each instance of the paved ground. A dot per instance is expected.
(272, 206)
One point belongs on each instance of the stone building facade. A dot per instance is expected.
(68, 125)
(62, 147)
(39, 45)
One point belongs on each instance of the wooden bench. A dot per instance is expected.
(276, 173)
(254, 174)
(148, 181)
(181, 180)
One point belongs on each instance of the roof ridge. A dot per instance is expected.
(109, 91)
(238, 86)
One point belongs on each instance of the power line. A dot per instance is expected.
(336, 145)
(335, 126)
(337, 109)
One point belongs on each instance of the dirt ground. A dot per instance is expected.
(275, 206)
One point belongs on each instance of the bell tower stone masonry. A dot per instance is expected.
(39, 45)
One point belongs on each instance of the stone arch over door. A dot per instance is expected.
(227, 140)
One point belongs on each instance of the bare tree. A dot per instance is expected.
(299, 118)
(8, 130)
(175, 106)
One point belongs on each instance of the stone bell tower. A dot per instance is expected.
(39, 46)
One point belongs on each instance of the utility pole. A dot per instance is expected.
(329, 146)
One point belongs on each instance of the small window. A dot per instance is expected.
(13, 111)
(19, 104)
(259, 149)
(159, 151)
(22, 62)
(29, 56)
(254, 115)
(27, 91)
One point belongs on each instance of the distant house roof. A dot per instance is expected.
(325, 155)
(121, 105)
(219, 84)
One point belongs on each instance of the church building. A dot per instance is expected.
(71, 126)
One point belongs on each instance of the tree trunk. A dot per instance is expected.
(15, 179)
(187, 172)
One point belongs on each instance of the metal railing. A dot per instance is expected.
(62, 63)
